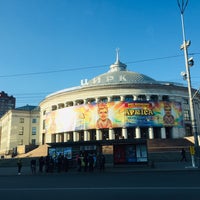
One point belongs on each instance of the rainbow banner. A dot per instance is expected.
(113, 115)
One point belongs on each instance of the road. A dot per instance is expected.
(102, 186)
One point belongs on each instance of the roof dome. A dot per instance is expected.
(118, 74)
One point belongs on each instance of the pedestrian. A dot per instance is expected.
(19, 166)
(102, 162)
(85, 160)
(33, 166)
(41, 164)
(183, 155)
(66, 164)
(91, 163)
(80, 162)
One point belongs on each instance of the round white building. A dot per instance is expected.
(118, 104)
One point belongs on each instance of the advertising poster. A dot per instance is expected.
(130, 154)
(113, 115)
(153, 114)
(119, 154)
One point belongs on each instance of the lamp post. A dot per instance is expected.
(188, 63)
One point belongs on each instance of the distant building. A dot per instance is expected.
(6, 103)
(19, 130)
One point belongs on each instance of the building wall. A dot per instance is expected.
(19, 127)
(83, 95)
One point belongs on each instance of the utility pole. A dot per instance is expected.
(188, 63)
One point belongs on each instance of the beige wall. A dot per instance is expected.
(16, 129)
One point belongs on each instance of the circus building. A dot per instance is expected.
(118, 110)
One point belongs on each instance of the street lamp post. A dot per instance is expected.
(188, 63)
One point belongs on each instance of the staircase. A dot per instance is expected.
(166, 145)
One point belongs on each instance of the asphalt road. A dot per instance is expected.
(102, 186)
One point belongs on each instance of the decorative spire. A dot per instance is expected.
(117, 55)
(117, 66)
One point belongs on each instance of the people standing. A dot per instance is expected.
(41, 164)
(91, 163)
(66, 164)
(102, 162)
(183, 155)
(19, 166)
(33, 166)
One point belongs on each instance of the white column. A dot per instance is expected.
(148, 97)
(75, 136)
(84, 101)
(111, 134)
(122, 98)
(109, 99)
(48, 138)
(65, 137)
(98, 134)
(163, 133)
(124, 133)
(97, 100)
(57, 138)
(68, 136)
(135, 97)
(151, 134)
(137, 132)
(86, 135)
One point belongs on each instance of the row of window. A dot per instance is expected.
(21, 142)
(127, 98)
(34, 131)
(21, 120)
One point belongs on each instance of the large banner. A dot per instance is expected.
(153, 114)
(113, 115)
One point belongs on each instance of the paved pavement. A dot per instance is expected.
(159, 166)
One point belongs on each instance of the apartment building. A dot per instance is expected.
(19, 130)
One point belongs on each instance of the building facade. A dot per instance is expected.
(6, 103)
(118, 104)
(19, 130)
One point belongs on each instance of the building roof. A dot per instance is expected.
(28, 108)
(118, 74)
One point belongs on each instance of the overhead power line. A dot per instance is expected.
(83, 68)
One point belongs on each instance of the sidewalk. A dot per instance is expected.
(159, 166)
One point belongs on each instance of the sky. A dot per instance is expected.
(51, 45)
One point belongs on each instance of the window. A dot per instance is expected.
(185, 101)
(21, 120)
(165, 98)
(20, 142)
(54, 107)
(34, 121)
(129, 98)
(186, 115)
(141, 98)
(116, 98)
(44, 124)
(154, 98)
(33, 141)
(91, 101)
(34, 130)
(21, 131)
(61, 105)
(103, 99)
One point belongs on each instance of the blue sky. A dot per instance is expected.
(50, 45)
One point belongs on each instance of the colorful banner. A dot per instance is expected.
(113, 115)
(153, 114)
